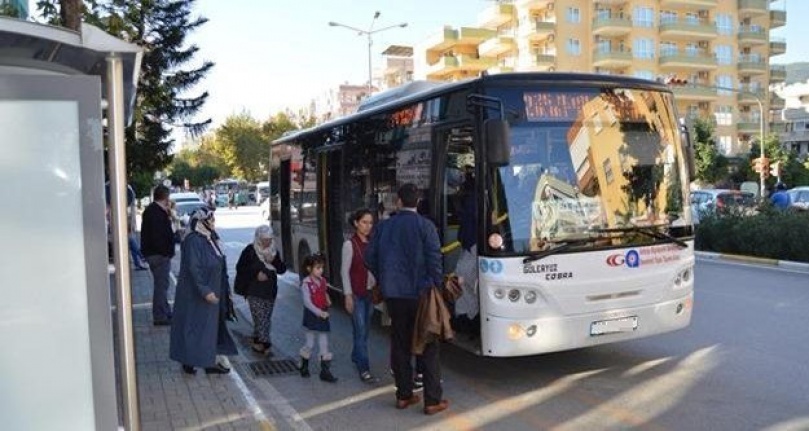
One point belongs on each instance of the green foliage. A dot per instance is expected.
(243, 147)
(770, 234)
(9, 9)
(711, 167)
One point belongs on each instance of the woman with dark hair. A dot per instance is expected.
(257, 280)
(357, 285)
(202, 302)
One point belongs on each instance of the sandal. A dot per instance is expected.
(367, 377)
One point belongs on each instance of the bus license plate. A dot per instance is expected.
(623, 324)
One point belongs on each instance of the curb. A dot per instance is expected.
(786, 264)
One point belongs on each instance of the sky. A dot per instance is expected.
(276, 54)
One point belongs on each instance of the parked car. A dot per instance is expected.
(799, 198)
(184, 197)
(713, 201)
(184, 211)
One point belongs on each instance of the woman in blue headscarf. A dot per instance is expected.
(202, 302)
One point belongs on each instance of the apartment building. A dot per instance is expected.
(711, 43)
(338, 102)
(397, 67)
(795, 115)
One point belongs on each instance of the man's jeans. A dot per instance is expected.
(361, 320)
(160, 267)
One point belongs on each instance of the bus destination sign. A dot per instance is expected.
(554, 106)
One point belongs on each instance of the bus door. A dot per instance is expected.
(284, 179)
(458, 217)
(332, 215)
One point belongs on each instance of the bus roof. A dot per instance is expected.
(422, 90)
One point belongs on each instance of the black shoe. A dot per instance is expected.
(218, 369)
(189, 370)
(166, 322)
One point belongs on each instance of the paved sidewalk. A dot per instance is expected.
(170, 399)
(786, 264)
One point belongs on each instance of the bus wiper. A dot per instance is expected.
(562, 245)
(648, 231)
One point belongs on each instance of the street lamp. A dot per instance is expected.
(673, 81)
(368, 33)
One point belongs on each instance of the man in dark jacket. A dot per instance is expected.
(404, 255)
(157, 245)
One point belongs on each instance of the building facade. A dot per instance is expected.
(338, 102)
(710, 43)
(795, 115)
(397, 67)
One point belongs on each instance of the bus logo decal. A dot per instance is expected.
(493, 266)
(631, 259)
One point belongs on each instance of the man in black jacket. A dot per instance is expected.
(157, 245)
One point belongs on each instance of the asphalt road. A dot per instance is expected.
(741, 365)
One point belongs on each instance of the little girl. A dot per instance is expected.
(316, 302)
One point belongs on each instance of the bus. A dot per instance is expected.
(582, 226)
(239, 188)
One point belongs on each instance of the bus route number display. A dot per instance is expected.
(554, 106)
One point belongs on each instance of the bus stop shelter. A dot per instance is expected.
(62, 93)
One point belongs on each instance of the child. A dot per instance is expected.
(316, 302)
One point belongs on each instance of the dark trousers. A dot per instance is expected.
(160, 267)
(403, 322)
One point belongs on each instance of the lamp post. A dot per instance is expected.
(368, 33)
(681, 83)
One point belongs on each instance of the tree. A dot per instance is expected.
(711, 166)
(160, 27)
(243, 146)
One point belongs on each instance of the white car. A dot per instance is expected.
(799, 197)
(184, 197)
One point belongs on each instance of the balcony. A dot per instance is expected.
(612, 26)
(496, 15)
(777, 46)
(697, 93)
(687, 60)
(539, 30)
(749, 96)
(449, 65)
(751, 65)
(776, 102)
(541, 62)
(778, 73)
(750, 8)
(533, 4)
(752, 35)
(499, 69)
(474, 35)
(612, 58)
(443, 40)
(748, 124)
(778, 126)
(687, 3)
(609, 2)
(687, 29)
(778, 18)
(497, 46)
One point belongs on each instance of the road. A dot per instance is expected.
(741, 365)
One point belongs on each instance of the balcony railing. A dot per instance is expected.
(612, 26)
(687, 59)
(538, 29)
(496, 15)
(778, 73)
(686, 3)
(747, 124)
(749, 95)
(694, 93)
(777, 46)
(778, 18)
(752, 7)
(603, 57)
(687, 28)
(752, 35)
(751, 65)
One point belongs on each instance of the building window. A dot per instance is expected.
(574, 47)
(608, 172)
(643, 48)
(643, 17)
(725, 145)
(724, 54)
(724, 115)
(573, 15)
(668, 49)
(668, 17)
(724, 24)
(724, 81)
(645, 74)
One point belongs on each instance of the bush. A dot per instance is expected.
(770, 233)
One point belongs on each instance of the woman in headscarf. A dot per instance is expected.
(257, 280)
(202, 302)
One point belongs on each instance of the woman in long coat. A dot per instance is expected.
(202, 302)
(257, 280)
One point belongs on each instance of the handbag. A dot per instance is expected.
(376, 295)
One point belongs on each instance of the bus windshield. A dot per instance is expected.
(585, 161)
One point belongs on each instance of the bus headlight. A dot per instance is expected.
(515, 332)
(514, 295)
(530, 297)
(495, 241)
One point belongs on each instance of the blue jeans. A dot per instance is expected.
(160, 267)
(361, 321)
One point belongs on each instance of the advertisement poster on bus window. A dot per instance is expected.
(413, 165)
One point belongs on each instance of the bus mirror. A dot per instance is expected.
(688, 146)
(498, 150)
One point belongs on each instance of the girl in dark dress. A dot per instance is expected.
(316, 303)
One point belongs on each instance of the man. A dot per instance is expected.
(157, 245)
(404, 255)
(780, 199)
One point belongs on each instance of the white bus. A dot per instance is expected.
(583, 229)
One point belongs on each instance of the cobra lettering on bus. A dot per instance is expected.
(550, 270)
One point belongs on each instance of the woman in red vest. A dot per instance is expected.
(357, 285)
